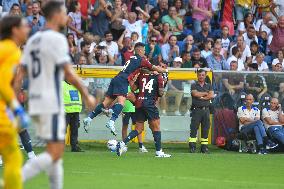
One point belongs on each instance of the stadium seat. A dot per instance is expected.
(247, 143)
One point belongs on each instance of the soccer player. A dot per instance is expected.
(46, 60)
(151, 86)
(118, 87)
(13, 33)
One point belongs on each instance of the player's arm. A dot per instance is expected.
(146, 64)
(161, 84)
(18, 78)
(132, 79)
(74, 79)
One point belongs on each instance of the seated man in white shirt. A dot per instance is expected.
(259, 60)
(273, 118)
(250, 36)
(249, 122)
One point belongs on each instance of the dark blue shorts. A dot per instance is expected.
(126, 118)
(117, 87)
(147, 113)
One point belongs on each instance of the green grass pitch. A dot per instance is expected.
(97, 168)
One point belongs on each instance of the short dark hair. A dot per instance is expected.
(83, 44)
(15, 5)
(235, 50)
(201, 70)
(52, 7)
(196, 50)
(202, 22)
(139, 44)
(107, 32)
(7, 24)
(73, 5)
(253, 43)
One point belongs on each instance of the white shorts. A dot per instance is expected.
(50, 127)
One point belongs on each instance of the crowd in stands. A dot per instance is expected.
(235, 35)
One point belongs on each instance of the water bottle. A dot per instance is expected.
(145, 33)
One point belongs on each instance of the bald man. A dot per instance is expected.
(250, 123)
(273, 118)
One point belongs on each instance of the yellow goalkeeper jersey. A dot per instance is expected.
(10, 56)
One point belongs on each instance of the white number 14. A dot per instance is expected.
(148, 86)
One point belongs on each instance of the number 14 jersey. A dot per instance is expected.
(44, 56)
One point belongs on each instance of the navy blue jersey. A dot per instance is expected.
(135, 63)
(149, 85)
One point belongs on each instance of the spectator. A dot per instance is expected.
(131, 25)
(244, 50)
(204, 34)
(180, 8)
(175, 23)
(227, 15)
(175, 88)
(126, 48)
(202, 10)
(170, 50)
(243, 7)
(225, 39)
(7, 4)
(155, 19)
(166, 33)
(101, 16)
(277, 4)
(189, 45)
(72, 45)
(262, 24)
(250, 36)
(259, 60)
(236, 56)
(207, 49)
(278, 35)
(153, 32)
(29, 10)
(118, 11)
(248, 21)
(111, 47)
(186, 60)
(277, 66)
(279, 59)
(254, 49)
(263, 42)
(85, 51)
(233, 82)
(250, 123)
(152, 49)
(36, 21)
(197, 59)
(163, 7)
(255, 84)
(275, 87)
(15, 10)
(273, 119)
(216, 61)
(82, 60)
(75, 20)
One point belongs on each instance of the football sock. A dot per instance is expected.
(140, 144)
(157, 139)
(97, 111)
(132, 135)
(26, 141)
(117, 109)
(36, 165)
(55, 174)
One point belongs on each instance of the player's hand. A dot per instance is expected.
(22, 116)
(90, 102)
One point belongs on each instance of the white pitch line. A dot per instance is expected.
(183, 178)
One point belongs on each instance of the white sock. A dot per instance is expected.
(36, 165)
(55, 174)
(31, 155)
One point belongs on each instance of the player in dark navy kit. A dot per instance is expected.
(151, 87)
(118, 87)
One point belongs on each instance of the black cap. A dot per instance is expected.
(253, 66)
(139, 44)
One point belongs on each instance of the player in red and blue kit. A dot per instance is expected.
(118, 87)
(151, 87)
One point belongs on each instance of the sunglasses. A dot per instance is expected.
(153, 40)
